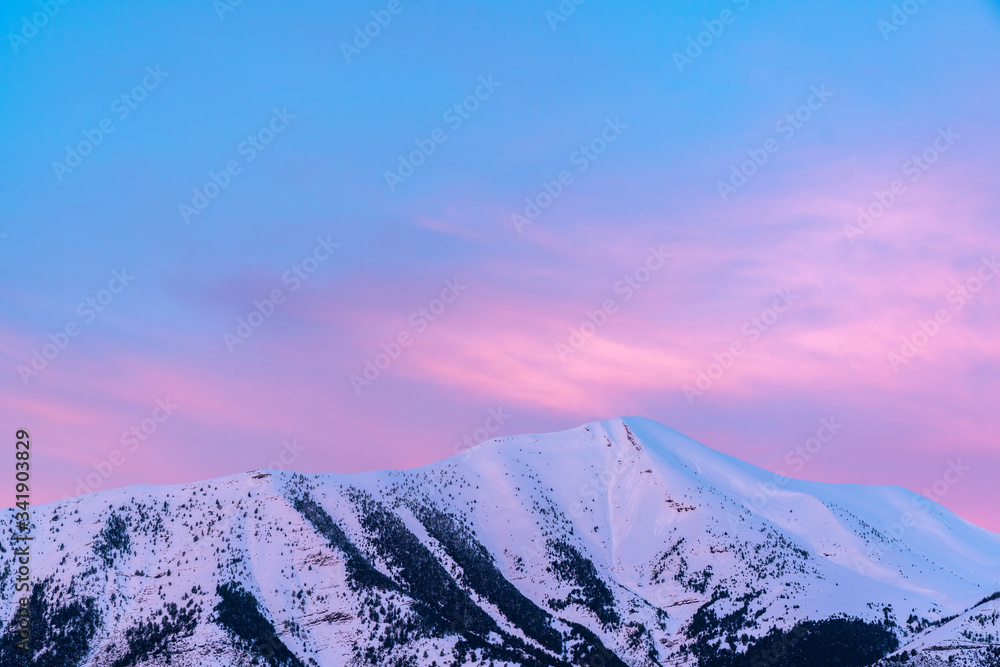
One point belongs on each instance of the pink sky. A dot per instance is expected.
(770, 270)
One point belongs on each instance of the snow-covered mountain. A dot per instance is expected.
(616, 543)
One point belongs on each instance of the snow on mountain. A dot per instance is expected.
(617, 543)
(970, 638)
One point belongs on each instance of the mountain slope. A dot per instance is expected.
(616, 543)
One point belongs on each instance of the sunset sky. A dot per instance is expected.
(698, 168)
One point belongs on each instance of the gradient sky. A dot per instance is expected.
(557, 85)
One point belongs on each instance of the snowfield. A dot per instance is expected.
(621, 542)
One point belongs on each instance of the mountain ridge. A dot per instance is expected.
(617, 542)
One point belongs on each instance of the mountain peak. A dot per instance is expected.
(620, 541)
